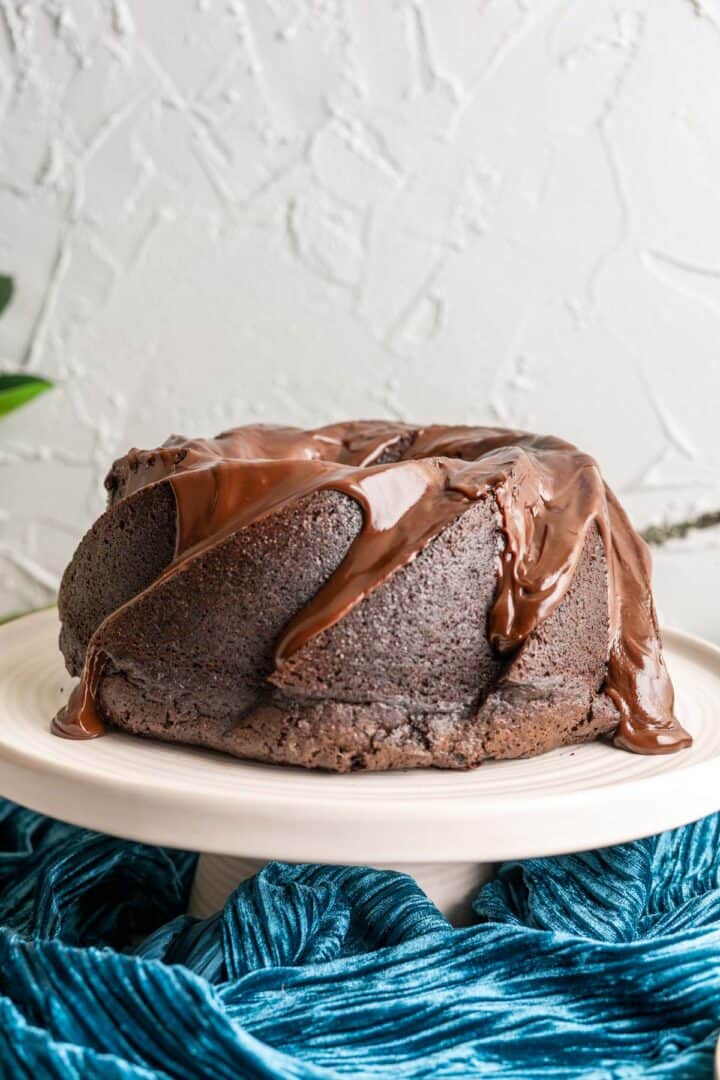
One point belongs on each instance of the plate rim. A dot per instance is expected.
(75, 795)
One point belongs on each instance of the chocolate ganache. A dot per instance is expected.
(411, 484)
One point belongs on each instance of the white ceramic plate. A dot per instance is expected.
(568, 800)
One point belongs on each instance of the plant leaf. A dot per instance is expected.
(16, 390)
(6, 291)
(19, 614)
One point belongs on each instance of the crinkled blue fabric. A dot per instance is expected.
(600, 965)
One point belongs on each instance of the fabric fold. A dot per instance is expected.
(602, 964)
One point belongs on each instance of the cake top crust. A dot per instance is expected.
(411, 482)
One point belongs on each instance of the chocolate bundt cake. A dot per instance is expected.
(367, 595)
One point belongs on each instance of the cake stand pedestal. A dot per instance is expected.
(451, 886)
(444, 828)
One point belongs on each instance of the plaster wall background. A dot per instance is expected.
(300, 210)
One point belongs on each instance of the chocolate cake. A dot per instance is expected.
(367, 595)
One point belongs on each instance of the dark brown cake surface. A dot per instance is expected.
(366, 595)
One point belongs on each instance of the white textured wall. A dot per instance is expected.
(302, 210)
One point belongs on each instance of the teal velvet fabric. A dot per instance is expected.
(600, 965)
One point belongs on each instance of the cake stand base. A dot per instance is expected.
(451, 886)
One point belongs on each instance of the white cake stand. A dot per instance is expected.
(444, 828)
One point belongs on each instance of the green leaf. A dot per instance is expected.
(16, 390)
(6, 291)
(19, 614)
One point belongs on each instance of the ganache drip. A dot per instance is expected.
(549, 494)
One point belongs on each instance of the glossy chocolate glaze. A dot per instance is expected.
(80, 718)
(549, 495)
